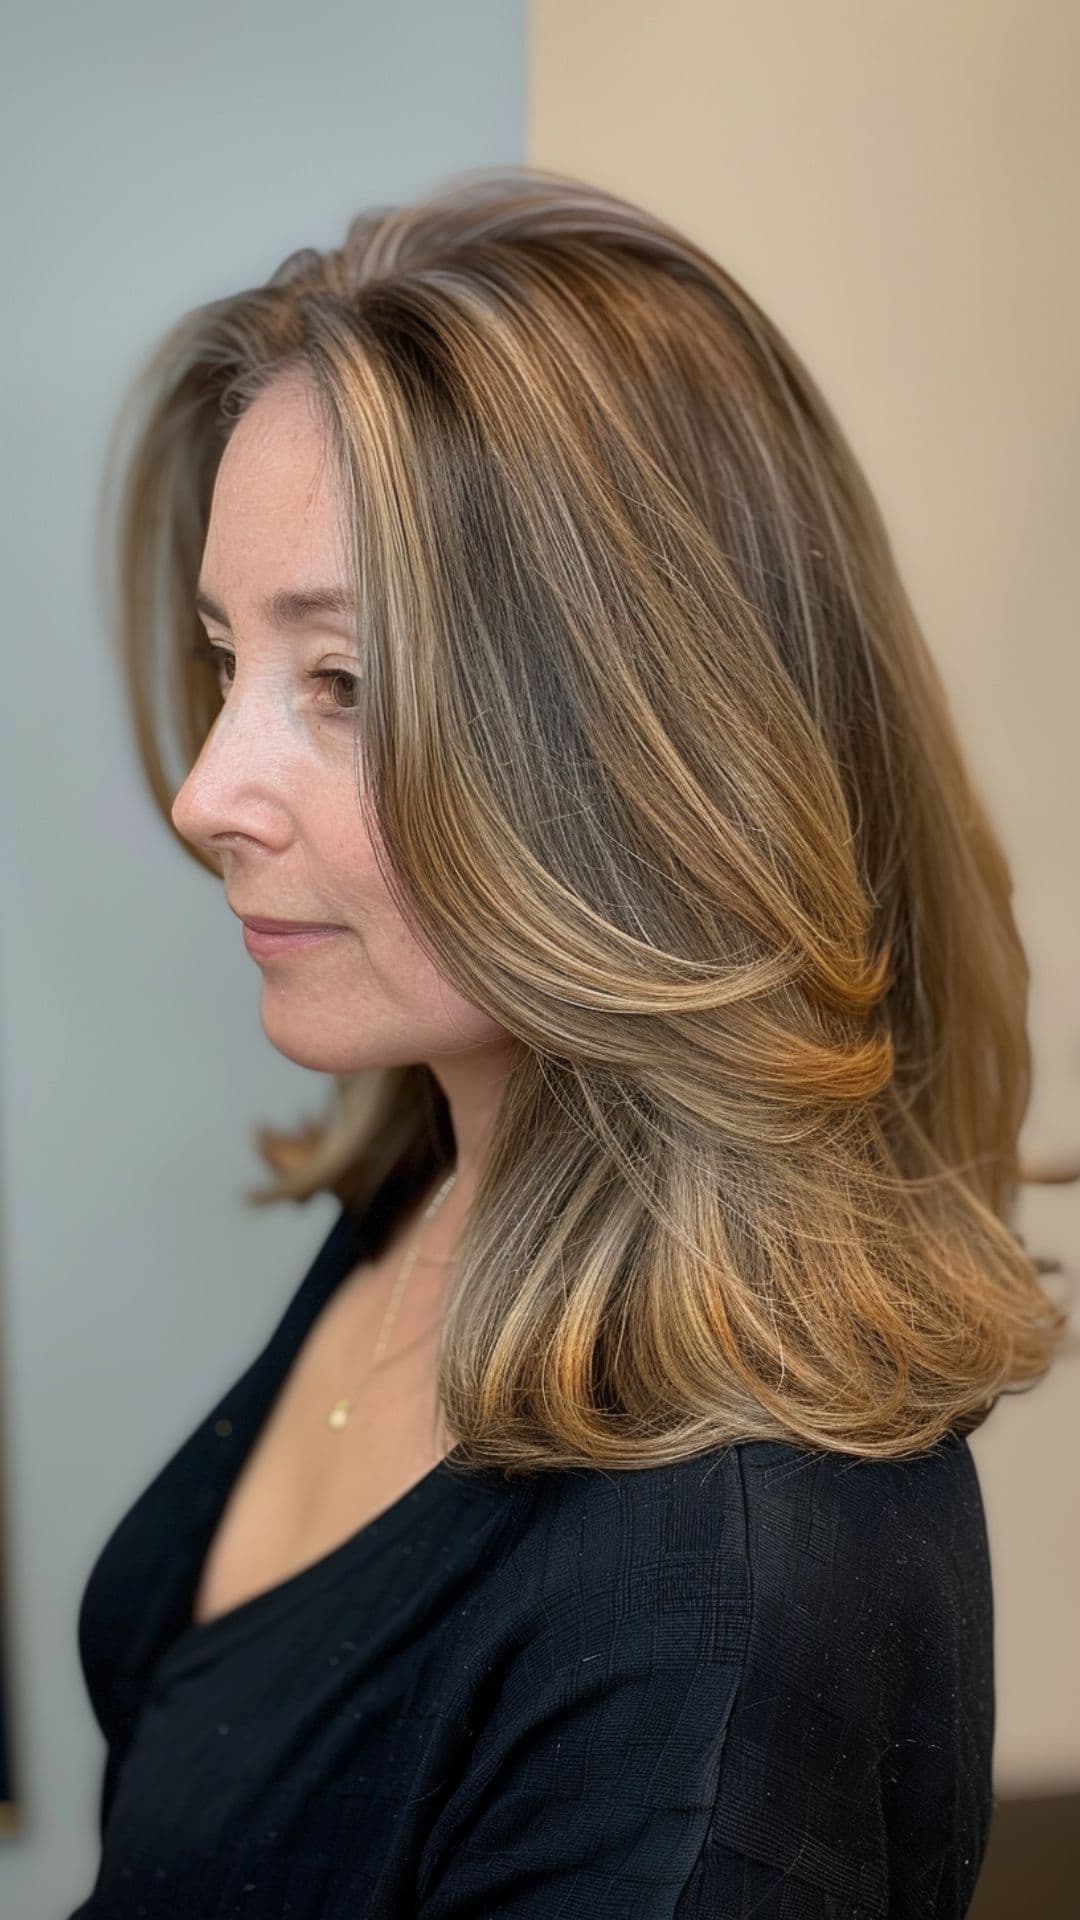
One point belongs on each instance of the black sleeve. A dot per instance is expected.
(594, 1777)
(795, 1726)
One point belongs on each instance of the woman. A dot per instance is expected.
(597, 1531)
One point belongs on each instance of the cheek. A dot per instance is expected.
(392, 951)
(348, 842)
(408, 974)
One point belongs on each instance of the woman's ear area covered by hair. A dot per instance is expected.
(667, 791)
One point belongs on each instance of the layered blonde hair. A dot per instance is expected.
(669, 787)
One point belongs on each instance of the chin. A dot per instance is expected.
(305, 1041)
(301, 1041)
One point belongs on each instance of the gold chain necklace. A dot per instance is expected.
(341, 1409)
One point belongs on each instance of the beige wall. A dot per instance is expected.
(897, 185)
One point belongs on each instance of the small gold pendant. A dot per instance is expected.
(338, 1414)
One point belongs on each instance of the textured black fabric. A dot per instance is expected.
(758, 1683)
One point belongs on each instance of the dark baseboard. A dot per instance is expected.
(1032, 1866)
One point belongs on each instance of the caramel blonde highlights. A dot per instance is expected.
(669, 787)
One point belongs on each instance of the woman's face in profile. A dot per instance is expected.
(272, 794)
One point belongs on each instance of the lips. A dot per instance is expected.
(264, 946)
(260, 925)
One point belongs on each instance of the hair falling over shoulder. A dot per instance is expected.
(669, 786)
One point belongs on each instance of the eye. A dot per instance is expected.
(352, 683)
(221, 659)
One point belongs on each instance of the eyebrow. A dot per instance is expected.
(289, 607)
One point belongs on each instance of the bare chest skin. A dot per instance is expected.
(305, 1488)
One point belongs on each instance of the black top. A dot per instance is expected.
(756, 1682)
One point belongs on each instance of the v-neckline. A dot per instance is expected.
(306, 1580)
(242, 1415)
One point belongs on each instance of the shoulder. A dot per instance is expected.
(755, 1520)
(865, 1582)
(842, 1605)
(756, 1665)
(859, 1743)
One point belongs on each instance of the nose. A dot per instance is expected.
(236, 791)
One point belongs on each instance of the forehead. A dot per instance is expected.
(274, 515)
(277, 451)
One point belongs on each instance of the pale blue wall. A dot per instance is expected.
(155, 156)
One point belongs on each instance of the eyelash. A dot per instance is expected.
(216, 656)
